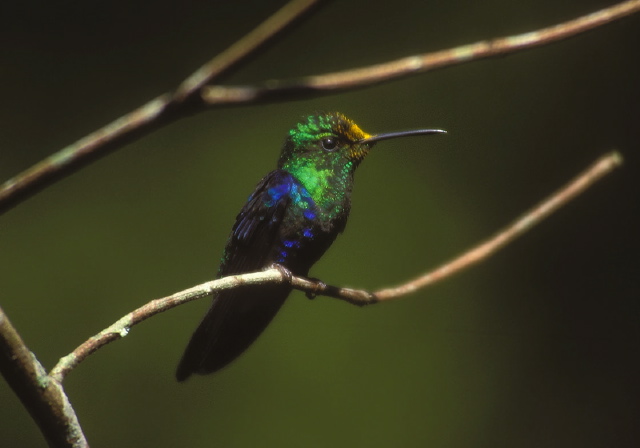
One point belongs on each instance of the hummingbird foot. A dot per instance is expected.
(286, 273)
(319, 285)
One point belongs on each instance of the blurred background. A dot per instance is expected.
(538, 346)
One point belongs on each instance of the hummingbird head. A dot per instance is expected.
(331, 139)
(325, 136)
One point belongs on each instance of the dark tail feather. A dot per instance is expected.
(236, 318)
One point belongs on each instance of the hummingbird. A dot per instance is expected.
(292, 217)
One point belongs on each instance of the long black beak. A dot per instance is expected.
(389, 135)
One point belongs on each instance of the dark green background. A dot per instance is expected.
(537, 347)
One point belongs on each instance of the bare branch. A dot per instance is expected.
(330, 83)
(158, 112)
(604, 165)
(119, 329)
(84, 151)
(43, 396)
(249, 45)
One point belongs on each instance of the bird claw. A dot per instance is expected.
(319, 286)
(286, 273)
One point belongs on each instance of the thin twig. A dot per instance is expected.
(310, 86)
(41, 395)
(70, 159)
(162, 110)
(237, 54)
(584, 180)
(119, 329)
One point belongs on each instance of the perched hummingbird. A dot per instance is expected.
(291, 219)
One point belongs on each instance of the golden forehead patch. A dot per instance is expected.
(351, 130)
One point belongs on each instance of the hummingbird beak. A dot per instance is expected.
(389, 135)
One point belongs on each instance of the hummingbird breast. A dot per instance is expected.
(309, 227)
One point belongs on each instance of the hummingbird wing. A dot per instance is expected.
(238, 316)
(257, 226)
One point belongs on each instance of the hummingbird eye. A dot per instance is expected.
(329, 143)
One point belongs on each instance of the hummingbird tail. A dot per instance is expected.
(234, 320)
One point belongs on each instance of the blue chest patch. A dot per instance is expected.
(301, 206)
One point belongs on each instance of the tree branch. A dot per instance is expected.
(121, 328)
(603, 166)
(170, 107)
(156, 113)
(40, 394)
(331, 83)
(249, 45)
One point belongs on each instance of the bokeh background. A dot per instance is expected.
(539, 346)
